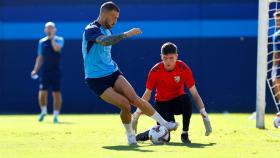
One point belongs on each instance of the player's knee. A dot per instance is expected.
(43, 95)
(126, 108)
(56, 95)
(134, 100)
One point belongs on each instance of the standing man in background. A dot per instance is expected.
(48, 62)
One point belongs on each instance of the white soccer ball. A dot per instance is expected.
(159, 135)
(276, 120)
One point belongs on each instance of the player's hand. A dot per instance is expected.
(33, 72)
(133, 32)
(206, 121)
(203, 113)
(34, 75)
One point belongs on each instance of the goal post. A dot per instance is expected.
(263, 23)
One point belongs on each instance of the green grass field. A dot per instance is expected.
(103, 136)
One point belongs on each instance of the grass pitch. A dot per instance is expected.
(103, 136)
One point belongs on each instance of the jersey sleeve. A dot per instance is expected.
(39, 51)
(151, 81)
(92, 33)
(189, 79)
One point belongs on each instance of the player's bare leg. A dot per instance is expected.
(114, 98)
(57, 102)
(123, 87)
(43, 102)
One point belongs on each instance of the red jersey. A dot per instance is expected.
(169, 84)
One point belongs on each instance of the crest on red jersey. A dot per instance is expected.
(177, 79)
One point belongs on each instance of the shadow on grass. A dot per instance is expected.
(192, 145)
(66, 123)
(59, 123)
(127, 148)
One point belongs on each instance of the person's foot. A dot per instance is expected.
(131, 139)
(185, 138)
(143, 136)
(41, 117)
(55, 120)
(171, 126)
(134, 123)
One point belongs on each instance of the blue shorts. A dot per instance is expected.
(50, 81)
(99, 85)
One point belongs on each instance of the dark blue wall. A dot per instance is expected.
(224, 65)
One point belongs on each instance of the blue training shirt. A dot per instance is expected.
(51, 59)
(97, 58)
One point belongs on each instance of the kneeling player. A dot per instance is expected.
(168, 78)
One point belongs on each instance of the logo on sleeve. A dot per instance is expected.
(177, 79)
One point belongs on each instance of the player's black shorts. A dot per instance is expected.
(50, 81)
(99, 85)
(179, 105)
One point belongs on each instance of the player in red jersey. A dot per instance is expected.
(169, 78)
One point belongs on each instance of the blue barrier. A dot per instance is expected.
(151, 29)
(217, 39)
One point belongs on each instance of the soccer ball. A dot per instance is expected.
(276, 121)
(159, 135)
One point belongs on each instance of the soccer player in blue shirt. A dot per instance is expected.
(103, 75)
(276, 60)
(48, 62)
(276, 56)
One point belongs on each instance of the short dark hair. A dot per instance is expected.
(168, 48)
(109, 6)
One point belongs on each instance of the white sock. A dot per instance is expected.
(44, 109)
(128, 128)
(137, 113)
(55, 113)
(156, 116)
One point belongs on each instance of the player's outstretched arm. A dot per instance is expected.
(196, 97)
(113, 39)
(37, 66)
(146, 96)
(200, 105)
